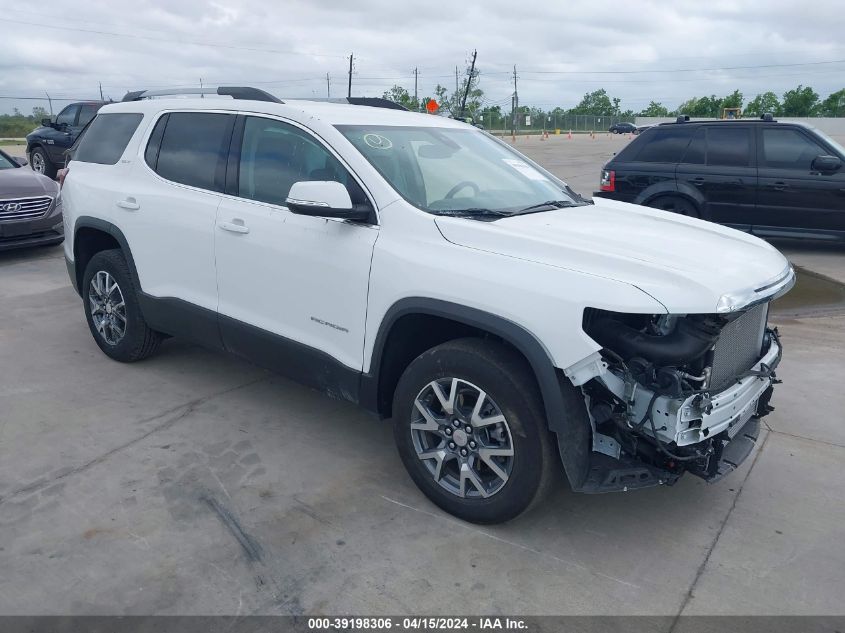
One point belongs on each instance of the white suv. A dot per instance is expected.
(422, 268)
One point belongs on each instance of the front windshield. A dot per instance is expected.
(452, 171)
(5, 163)
(838, 147)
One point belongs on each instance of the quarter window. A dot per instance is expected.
(274, 155)
(787, 148)
(728, 146)
(194, 147)
(106, 138)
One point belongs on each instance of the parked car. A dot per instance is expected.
(642, 128)
(622, 128)
(429, 272)
(30, 212)
(47, 144)
(770, 178)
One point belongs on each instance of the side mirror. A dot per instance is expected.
(21, 161)
(826, 163)
(324, 199)
(47, 122)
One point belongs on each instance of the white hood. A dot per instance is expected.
(684, 263)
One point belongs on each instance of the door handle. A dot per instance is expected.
(780, 186)
(129, 204)
(698, 181)
(235, 226)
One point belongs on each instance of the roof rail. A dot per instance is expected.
(767, 116)
(683, 118)
(236, 92)
(373, 102)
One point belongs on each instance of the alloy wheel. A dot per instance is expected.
(38, 163)
(462, 437)
(108, 309)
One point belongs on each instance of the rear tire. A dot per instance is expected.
(675, 204)
(112, 310)
(484, 463)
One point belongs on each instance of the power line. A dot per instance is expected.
(170, 40)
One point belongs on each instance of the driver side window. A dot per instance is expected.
(274, 155)
(67, 116)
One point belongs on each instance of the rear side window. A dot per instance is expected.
(106, 138)
(663, 145)
(787, 148)
(697, 149)
(193, 149)
(87, 112)
(728, 146)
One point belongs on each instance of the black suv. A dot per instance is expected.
(771, 178)
(46, 145)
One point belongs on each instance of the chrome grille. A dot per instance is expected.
(739, 347)
(24, 208)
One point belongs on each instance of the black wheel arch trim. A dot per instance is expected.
(547, 375)
(89, 222)
(685, 192)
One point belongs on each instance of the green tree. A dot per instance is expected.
(39, 112)
(834, 105)
(800, 101)
(655, 109)
(596, 103)
(733, 100)
(397, 94)
(763, 103)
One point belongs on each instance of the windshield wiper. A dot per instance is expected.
(472, 212)
(553, 204)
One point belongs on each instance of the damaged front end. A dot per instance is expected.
(669, 394)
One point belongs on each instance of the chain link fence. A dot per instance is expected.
(551, 123)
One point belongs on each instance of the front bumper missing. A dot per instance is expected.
(686, 422)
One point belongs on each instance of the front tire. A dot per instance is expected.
(41, 163)
(470, 429)
(112, 310)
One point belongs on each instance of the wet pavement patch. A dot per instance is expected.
(812, 295)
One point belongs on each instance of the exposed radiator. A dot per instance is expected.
(739, 347)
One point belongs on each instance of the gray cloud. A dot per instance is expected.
(288, 47)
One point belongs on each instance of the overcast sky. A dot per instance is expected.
(561, 49)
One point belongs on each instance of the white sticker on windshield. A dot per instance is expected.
(524, 168)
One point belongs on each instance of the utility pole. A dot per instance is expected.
(349, 91)
(101, 91)
(50, 102)
(328, 87)
(416, 74)
(515, 122)
(202, 96)
(456, 80)
(469, 83)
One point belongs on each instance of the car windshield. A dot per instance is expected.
(5, 162)
(450, 171)
(837, 146)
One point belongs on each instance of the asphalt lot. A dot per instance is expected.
(195, 483)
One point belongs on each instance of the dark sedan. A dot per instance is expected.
(622, 128)
(30, 209)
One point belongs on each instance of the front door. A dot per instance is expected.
(293, 289)
(61, 136)
(793, 196)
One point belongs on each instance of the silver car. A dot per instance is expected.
(30, 209)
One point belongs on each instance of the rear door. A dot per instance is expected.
(168, 207)
(793, 197)
(720, 164)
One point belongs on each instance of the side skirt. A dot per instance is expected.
(301, 363)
